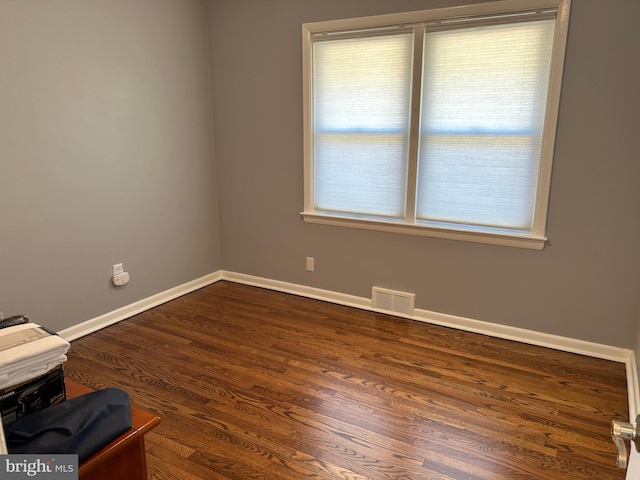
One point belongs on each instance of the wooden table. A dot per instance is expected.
(124, 458)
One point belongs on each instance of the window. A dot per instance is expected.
(437, 123)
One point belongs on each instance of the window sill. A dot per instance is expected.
(530, 242)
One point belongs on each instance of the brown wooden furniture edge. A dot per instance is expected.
(141, 423)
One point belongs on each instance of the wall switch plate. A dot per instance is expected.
(311, 264)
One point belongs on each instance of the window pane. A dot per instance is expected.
(484, 98)
(361, 123)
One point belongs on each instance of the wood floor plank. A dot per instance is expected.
(256, 384)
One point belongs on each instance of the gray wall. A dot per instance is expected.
(106, 154)
(584, 285)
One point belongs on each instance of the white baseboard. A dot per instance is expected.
(607, 352)
(633, 387)
(532, 337)
(591, 349)
(135, 308)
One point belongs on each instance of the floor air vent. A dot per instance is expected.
(399, 302)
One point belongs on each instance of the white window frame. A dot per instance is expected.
(535, 239)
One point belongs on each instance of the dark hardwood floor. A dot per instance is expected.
(256, 384)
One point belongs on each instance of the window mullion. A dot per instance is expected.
(414, 129)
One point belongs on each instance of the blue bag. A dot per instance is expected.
(82, 425)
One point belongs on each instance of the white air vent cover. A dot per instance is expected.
(399, 302)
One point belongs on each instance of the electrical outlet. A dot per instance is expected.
(120, 279)
(311, 264)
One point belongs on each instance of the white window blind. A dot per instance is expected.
(362, 91)
(484, 98)
(438, 123)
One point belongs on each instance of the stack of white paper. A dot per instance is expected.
(27, 351)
